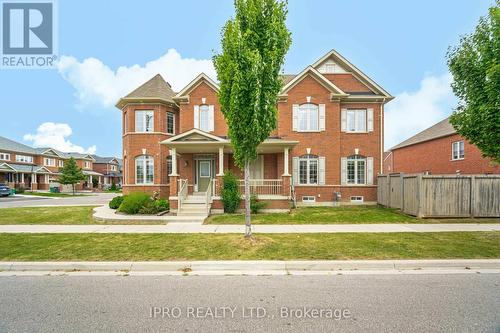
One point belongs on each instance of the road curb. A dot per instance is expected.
(272, 266)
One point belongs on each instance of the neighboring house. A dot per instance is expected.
(328, 140)
(110, 168)
(438, 150)
(22, 166)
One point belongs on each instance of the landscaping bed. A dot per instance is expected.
(137, 247)
(359, 214)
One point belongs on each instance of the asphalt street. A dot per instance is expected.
(341, 303)
(96, 199)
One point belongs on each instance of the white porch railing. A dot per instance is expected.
(182, 194)
(208, 196)
(263, 186)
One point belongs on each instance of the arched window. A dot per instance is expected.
(144, 170)
(308, 117)
(308, 169)
(356, 169)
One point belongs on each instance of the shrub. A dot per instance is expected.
(162, 205)
(133, 203)
(116, 202)
(19, 189)
(95, 182)
(113, 187)
(256, 205)
(230, 192)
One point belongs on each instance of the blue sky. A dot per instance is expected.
(400, 44)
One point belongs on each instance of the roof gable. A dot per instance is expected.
(195, 135)
(441, 129)
(336, 58)
(310, 71)
(184, 93)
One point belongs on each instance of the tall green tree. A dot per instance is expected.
(254, 45)
(71, 173)
(475, 66)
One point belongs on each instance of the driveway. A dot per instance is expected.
(94, 199)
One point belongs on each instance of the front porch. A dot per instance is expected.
(198, 161)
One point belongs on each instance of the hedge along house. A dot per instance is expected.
(327, 146)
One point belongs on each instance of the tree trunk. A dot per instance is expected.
(73, 185)
(248, 224)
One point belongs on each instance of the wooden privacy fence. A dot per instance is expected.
(441, 195)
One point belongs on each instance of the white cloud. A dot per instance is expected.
(55, 135)
(97, 83)
(412, 112)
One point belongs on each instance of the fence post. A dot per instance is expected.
(472, 196)
(389, 190)
(419, 196)
(401, 181)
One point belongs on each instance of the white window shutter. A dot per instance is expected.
(295, 117)
(295, 170)
(196, 116)
(211, 118)
(322, 117)
(321, 180)
(343, 170)
(343, 120)
(370, 119)
(369, 170)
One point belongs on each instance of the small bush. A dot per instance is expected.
(116, 202)
(162, 205)
(256, 205)
(133, 203)
(230, 193)
(19, 189)
(149, 208)
(113, 187)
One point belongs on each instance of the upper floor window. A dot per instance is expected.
(24, 158)
(356, 169)
(113, 167)
(308, 169)
(60, 163)
(49, 162)
(4, 157)
(308, 118)
(356, 120)
(87, 165)
(204, 117)
(170, 123)
(144, 121)
(457, 150)
(144, 170)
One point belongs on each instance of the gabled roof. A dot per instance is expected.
(10, 145)
(441, 129)
(49, 151)
(310, 71)
(195, 135)
(333, 54)
(183, 94)
(105, 160)
(27, 168)
(156, 89)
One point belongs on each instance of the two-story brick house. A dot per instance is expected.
(328, 140)
(110, 168)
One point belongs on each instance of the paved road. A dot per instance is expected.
(374, 303)
(27, 201)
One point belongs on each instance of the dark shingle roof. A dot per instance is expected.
(100, 159)
(9, 145)
(287, 78)
(443, 128)
(157, 87)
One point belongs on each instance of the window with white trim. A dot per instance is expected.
(457, 150)
(308, 198)
(4, 157)
(144, 170)
(204, 118)
(356, 170)
(356, 120)
(357, 199)
(60, 163)
(51, 162)
(144, 121)
(113, 167)
(308, 170)
(87, 165)
(24, 158)
(308, 118)
(170, 123)
(169, 165)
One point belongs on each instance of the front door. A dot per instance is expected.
(204, 174)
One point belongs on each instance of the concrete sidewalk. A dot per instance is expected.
(252, 267)
(239, 229)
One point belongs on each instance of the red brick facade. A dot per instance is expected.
(435, 157)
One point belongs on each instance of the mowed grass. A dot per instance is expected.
(336, 215)
(47, 215)
(114, 247)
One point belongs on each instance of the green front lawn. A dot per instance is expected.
(118, 247)
(47, 215)
(336, 215)
(55, 195)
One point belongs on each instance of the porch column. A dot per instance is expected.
(22, 178)
(174, 162)
(46, 178)
(285, 162)
(33, 182)
(90, 181)
(221, 161)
